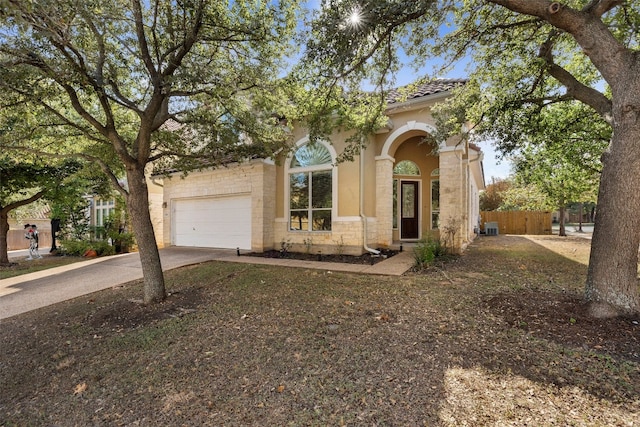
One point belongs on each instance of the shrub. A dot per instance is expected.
(426, 251)
(79, 247)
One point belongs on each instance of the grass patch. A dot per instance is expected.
(19, 267)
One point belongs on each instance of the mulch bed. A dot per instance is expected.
(340, 258)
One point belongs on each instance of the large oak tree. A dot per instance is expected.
(528, 54)
(129, 83)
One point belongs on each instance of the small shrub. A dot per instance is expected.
(103, 248)
(308, 243)
(122, 242)
(426, 251)
(80, 247)
(74, 247)
(285, 247)
(339, 246)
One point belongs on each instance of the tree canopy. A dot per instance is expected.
(127, 84)
(25, 180)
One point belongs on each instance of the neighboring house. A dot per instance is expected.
(41, 218)
(398, 190)
(99, 209)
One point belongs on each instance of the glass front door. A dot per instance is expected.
(409, 203)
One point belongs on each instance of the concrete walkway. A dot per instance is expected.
(35, 290)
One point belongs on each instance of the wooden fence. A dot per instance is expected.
(16, 240)
(519, 222)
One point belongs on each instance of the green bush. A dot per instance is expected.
(80, 247)
(426, 251)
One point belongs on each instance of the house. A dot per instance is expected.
(400, 189)
(99, 209)
(38, 216)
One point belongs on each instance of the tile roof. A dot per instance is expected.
(424, 88)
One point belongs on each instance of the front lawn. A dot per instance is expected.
(20, 266)
(495, 337)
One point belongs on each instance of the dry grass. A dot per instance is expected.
(496, 337)
(20, 266)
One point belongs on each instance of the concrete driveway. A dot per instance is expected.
(31, 291)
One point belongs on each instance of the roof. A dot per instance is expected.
(419, 90)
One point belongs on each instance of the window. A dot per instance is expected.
(406, 167)
(103, 209)
(435, 204)
(311, 188)
(395, 204)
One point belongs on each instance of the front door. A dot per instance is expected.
(409, 210)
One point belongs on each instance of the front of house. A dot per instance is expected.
(400, 189)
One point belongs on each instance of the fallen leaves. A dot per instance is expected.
(80, 388)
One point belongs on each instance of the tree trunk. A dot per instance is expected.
(138, 206)
(4, 230)
(562, 231)
(612, 278)
(580, 218)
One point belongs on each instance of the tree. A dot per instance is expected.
(23, 182)
(522, 196)
(559, 151)
(528, 54)
(127, 84)
(491, 198)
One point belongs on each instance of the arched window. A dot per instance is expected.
(435, 172)
(311, 188)
(406, 167)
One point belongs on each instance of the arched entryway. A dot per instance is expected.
(416, 192)
(412, 141)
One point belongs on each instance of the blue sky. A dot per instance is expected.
(493, 166)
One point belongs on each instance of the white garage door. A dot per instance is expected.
(221, 222)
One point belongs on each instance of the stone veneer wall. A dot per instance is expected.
(156, 213)
(384, 207)
(256, 178)
(345, 237)
(452, 198)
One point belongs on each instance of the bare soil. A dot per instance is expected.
(496, 337)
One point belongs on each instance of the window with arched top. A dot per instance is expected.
(311, 155)
(311, 188)
(406, 167)
(435, 172)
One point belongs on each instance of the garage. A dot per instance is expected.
(219, 222)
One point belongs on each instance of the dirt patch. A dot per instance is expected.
(563, 318)
(497, 336)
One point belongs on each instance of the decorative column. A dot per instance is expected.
(453, 216)
(384, 199)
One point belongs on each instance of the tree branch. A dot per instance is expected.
(600, 7)
(15, 205)
(575, 88)
(608, 55)
(142, 40)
